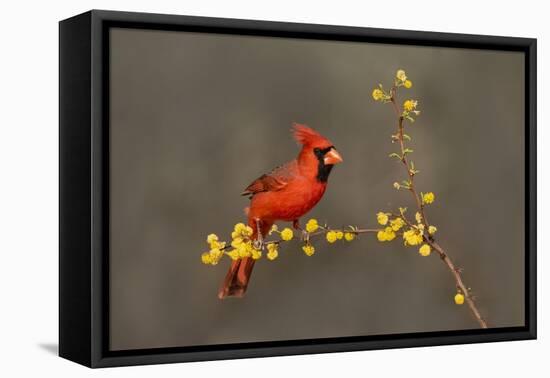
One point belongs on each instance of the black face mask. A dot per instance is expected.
(323, 170)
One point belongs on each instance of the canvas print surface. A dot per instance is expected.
(374, 161)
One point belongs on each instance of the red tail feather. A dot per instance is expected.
(238, 276)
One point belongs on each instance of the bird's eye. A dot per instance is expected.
(317, 151)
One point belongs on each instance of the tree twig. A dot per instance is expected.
(459, 283)
(429, 239)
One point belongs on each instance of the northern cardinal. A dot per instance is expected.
(287, 193)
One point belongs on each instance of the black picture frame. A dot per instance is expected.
(84, 188)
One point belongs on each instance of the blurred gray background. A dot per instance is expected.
(196, 117)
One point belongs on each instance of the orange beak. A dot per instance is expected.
(332, 157)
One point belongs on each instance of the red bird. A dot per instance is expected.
(285, 194)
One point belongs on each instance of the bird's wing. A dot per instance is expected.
(274, 181)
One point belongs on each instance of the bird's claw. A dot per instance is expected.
(259, 242)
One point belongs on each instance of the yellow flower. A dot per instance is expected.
(211, 238)
(386, 234)
(245, 250)
(428, 198)
(206, 258)
(248, 231)
(410, 105)
(272, 252)
(216, 252)
(273, 229)
(459, 299)
(241, 230)
(349, 236)
(397, 223)
(408, 84)
(418, 217)
(377, 94)
(412, 237)
(236, 242)
(233, 254)
(239, 227)
(256, 253)
(312, 225)
(400, 75)
(308, 249)
(425, 250)
(339, 235)
(382, 218)
(287, 234)
(331, 236)
(432, 230)
(215, 256)
(390, 235)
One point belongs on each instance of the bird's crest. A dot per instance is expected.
(307, 136)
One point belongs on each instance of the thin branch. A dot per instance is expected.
(444, 256)
(459, 283)
(404, 160)
(324, 230)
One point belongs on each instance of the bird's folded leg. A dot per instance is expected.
(305, 235)
(259, 242)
